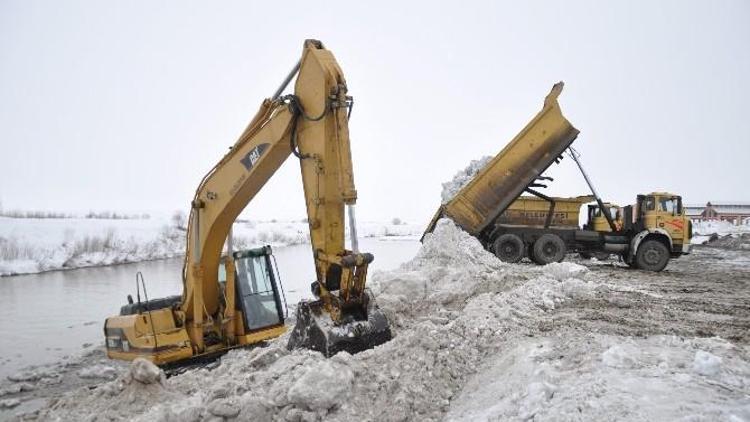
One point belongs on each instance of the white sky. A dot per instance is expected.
(125, 105)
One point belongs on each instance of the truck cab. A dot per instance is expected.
(663, 212)
(658, 229)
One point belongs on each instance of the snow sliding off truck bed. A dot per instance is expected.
(653, 231)
(478, 204)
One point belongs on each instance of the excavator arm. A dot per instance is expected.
(221, 196)
(312, 124)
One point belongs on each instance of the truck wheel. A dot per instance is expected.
(548, 248)
(652, 255)
(509, 248)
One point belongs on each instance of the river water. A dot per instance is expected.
(44, 317)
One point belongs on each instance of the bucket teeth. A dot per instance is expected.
(314, 330)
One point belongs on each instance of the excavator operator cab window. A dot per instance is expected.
(257, 292)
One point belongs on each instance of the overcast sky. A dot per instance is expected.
(125, 105)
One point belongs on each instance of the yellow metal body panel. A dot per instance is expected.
(599, 221)
(533, 211)
(262, 335)
(150, 335)
(505, 177)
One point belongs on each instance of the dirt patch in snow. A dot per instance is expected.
(730, 241)
(477, 339)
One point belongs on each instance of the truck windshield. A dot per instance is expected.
(670, 205)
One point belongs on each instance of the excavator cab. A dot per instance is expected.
(258, 295)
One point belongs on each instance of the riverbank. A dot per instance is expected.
(36, 245)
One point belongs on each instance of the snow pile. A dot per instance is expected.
(706, 363)
(137, 389)
(722, 234)
(462, 178)
(601, 377)
(474, 339)
(737, 241)
(719, 227)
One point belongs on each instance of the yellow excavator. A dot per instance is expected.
(233, 299)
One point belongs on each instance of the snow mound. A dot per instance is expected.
(564, 270)
(322, 386)
(462, 178)
(145, 372)
(448, 245)
(597, 377)
(621, 356)
(137, 390)
(706, 363)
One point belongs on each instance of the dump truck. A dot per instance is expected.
(650, 233)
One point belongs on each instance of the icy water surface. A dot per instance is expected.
(46, 316)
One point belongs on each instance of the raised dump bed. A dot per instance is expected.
(478, 204)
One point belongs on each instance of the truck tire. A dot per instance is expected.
(652, 255)
(509, 248)
(548, 248)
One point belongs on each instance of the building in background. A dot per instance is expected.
(735, 212)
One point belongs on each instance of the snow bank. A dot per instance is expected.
(719, 227)
(462, 178)
(474, 339)
(37, 245)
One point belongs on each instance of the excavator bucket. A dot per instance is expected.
(316, 331)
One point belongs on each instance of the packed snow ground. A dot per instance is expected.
(477, 339)
(29, 245)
